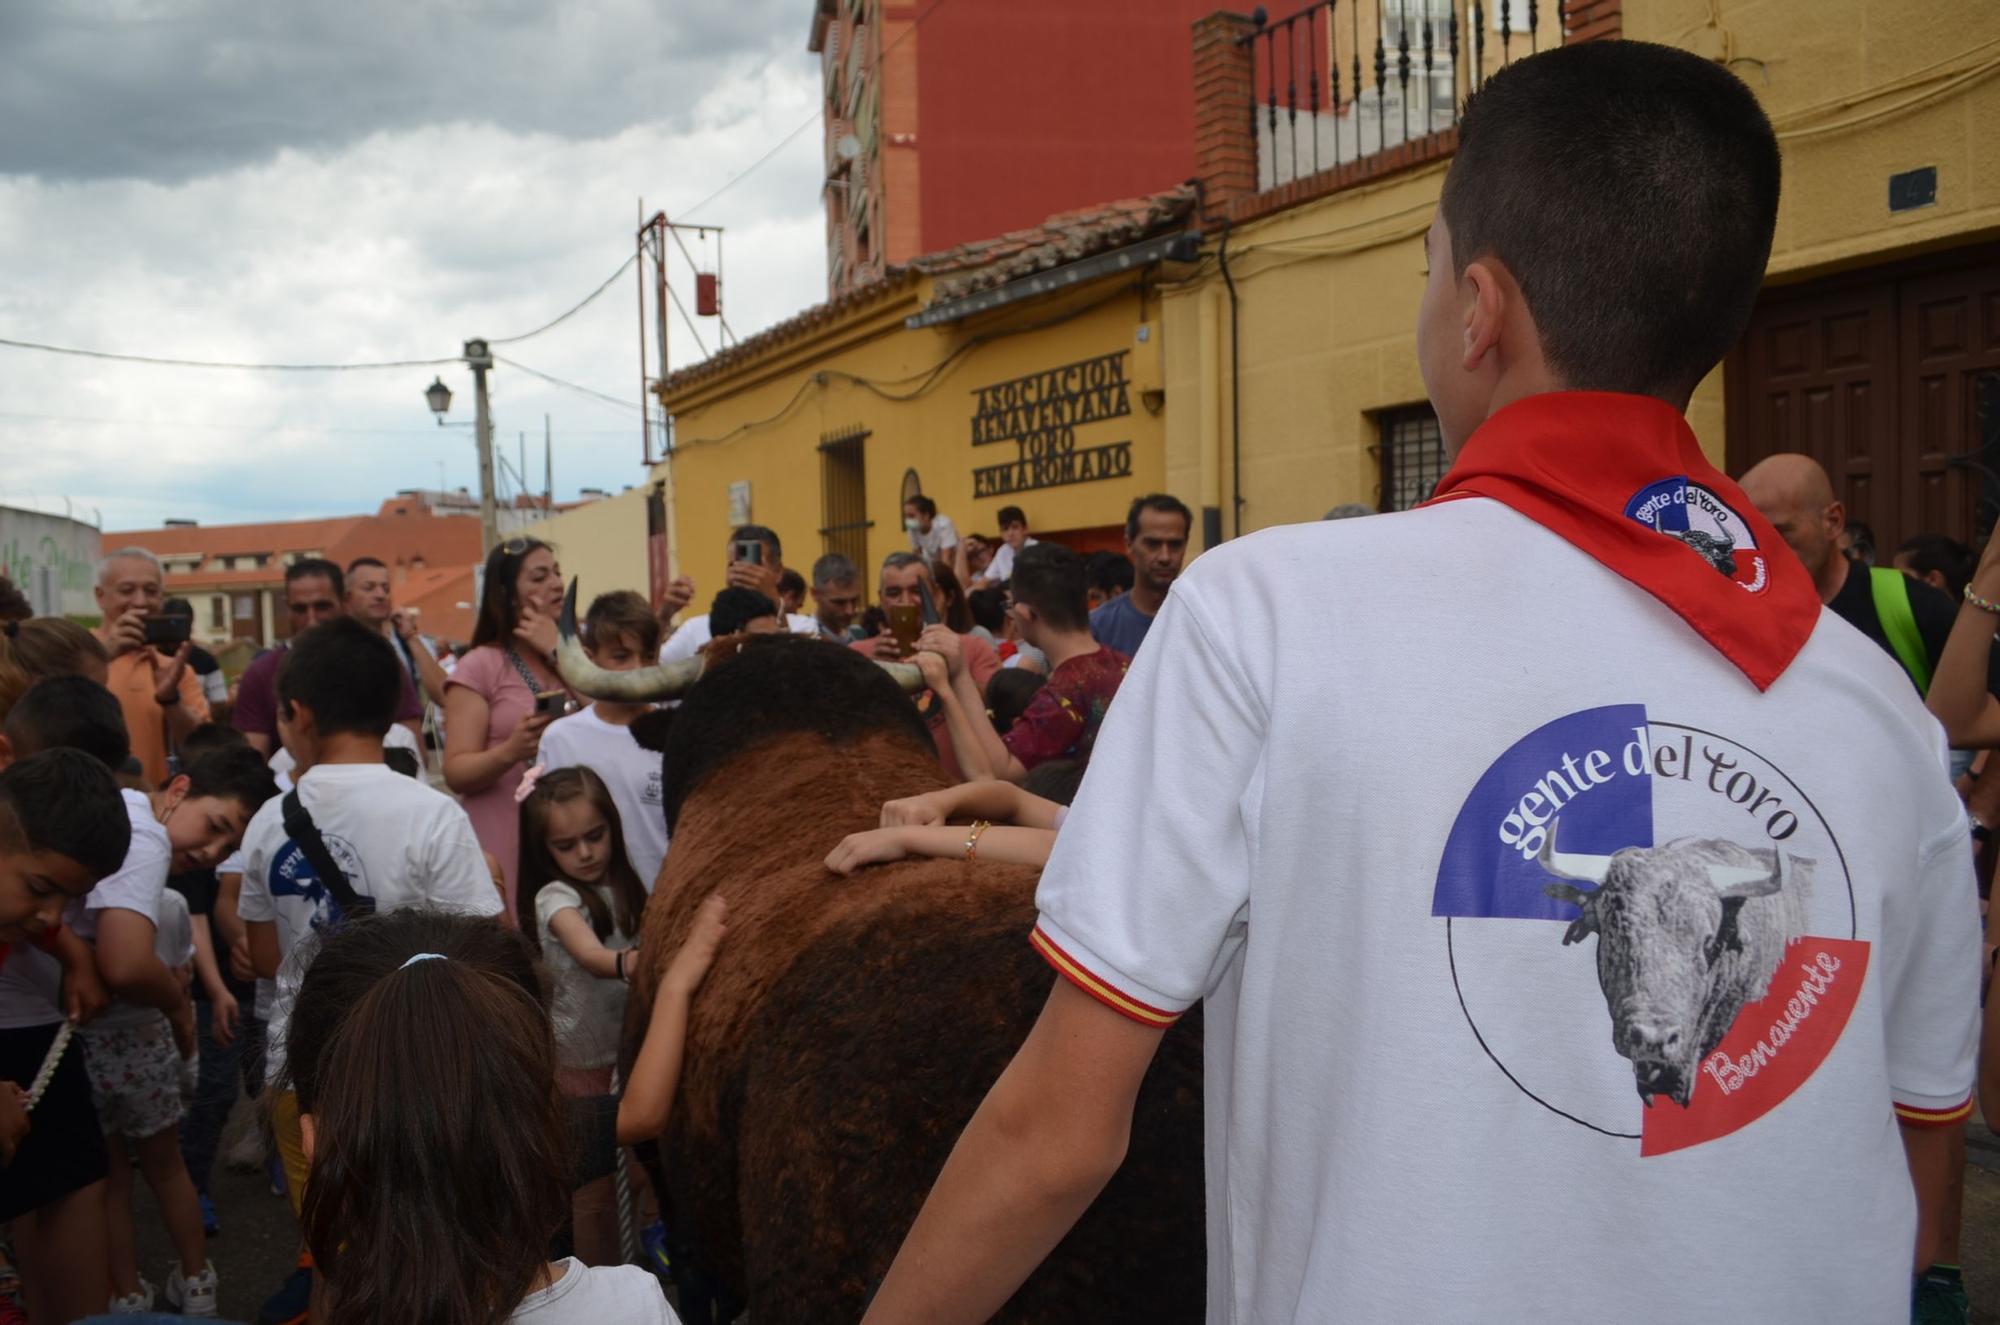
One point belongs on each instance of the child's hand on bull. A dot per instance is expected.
(877, 846)
(933, 807)
(690, 965)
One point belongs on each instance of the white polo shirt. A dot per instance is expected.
(1422, 1102)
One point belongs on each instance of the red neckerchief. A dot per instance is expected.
(1622, 478)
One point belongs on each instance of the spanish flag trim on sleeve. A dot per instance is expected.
(1109, 995)
(1911, 1116)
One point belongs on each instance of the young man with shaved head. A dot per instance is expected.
(1554, 966)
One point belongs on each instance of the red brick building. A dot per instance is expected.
(950, 123)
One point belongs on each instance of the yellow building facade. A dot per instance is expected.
(1265, 371)
(1883, 113)
(1047, 399)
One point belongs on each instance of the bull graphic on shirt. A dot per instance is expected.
(1687, 934)
(1716, 549)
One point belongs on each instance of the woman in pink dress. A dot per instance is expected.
(491, 726)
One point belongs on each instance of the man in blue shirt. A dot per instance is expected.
(1156, 535)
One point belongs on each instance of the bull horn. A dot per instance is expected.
(646, 685)
(907, 675)
(1745, 881)
(650, 685)
(1572, 865)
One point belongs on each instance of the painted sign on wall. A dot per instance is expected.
(1040, 414)
(50, 559)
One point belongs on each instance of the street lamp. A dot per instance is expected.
(437, 395)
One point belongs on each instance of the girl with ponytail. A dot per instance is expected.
(421, 1053)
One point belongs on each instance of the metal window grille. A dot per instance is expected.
(1412, 455)
(843, 487)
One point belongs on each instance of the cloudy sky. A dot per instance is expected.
(364, 181)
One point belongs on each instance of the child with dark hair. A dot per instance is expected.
(742, 611)
(1107, 575)
(1008, 695)
(792, 591)
(425, 1077)
(70, 712)
(393, 841)
(620, 634)
(62, 830)
(581, 900)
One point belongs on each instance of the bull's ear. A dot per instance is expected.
(1584, 925)
(650, 729)
(1728, 938)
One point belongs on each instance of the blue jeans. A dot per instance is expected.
(222, 1066)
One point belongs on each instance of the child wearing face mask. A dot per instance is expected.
(581, 899)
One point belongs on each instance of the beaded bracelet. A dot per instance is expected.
(972, 838)
(1983, 604)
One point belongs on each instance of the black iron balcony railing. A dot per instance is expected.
(1344, 80)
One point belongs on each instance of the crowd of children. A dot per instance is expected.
(131, 918)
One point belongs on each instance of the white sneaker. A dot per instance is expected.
(134, 1304)
(192, 1297)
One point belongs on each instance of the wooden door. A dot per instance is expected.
(1950, 327)
(1875, 374)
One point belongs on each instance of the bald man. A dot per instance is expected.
(1795, 494)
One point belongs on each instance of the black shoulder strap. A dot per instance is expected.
(299, 826)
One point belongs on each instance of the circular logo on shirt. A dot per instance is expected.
(1699, 518)
(293, 875)
(1650, 927)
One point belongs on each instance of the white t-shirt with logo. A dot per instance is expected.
(688, 639)
(397, 840)
(629, 770)
(1440, 1089)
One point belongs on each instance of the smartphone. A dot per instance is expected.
(551, 703)
(906, 622)
(750, 550)
(168, 632)
(931, 617)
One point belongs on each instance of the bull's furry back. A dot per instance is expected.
(770, 686)
(850, 1027)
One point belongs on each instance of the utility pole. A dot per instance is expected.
(479, 358)
(548, 469)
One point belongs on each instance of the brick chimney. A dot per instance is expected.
(1225, 145)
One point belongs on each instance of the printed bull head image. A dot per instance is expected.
(1715, 549)
(1687, 933)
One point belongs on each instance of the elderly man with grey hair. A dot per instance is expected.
(159, 692)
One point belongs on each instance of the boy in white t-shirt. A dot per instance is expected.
(621, 634)
(1554, 967)
(396, 841)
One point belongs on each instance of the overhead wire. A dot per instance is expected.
(218, 363)
(582, 304)
(566, 385)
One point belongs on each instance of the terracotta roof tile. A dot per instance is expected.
(980, 264)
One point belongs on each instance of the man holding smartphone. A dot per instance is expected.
(149, 673)
(755, 561)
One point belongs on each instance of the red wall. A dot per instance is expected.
(1031, 107)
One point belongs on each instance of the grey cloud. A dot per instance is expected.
(175, 91)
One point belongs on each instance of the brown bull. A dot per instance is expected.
(850, 1027)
